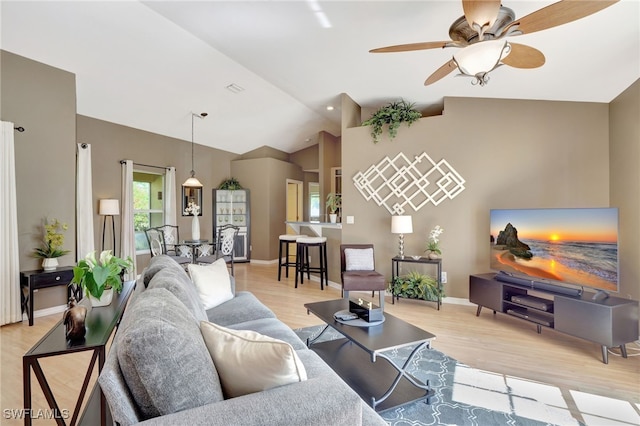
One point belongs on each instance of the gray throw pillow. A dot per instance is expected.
(157, 264)
(179, 284)
(163, 357)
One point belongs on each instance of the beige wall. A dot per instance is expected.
(512, 154)
(266, 178)
(624, 133)
(111, 143)
(42, 99)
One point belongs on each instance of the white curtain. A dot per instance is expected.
(170, 196)
(128, 237)
(10, 309)
(84, 203)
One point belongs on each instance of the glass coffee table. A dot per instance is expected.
(383, 385)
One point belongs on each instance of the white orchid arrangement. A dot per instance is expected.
(192, 209)
(434, 240)
(96, 275)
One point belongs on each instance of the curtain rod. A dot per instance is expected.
(146, 165)
(19, 128)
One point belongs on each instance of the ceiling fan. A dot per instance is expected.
(482, 34)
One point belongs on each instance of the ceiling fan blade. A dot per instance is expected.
(481, 14)
(559, 13)
(413, 46)
(522, 56)
(441, 72)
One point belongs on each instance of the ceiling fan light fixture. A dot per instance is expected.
(478, 59)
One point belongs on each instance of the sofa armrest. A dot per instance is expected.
(318, 401)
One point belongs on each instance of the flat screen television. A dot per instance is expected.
(575, 246)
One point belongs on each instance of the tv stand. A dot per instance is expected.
(609, 321)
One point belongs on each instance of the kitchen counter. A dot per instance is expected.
(316, 227)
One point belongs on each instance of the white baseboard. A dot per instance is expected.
(263, 262)
(45, 312)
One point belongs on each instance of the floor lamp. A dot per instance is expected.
(109, 208)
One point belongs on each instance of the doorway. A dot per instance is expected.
(294, 201)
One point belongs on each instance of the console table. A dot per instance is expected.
(608, 322)
(100, 323)
(31, 281)
(395, 271)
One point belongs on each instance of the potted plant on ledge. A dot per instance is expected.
(98, 278)
(334, 202)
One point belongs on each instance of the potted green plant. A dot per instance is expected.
(433, 243)
(392, 115)
(230, 184)
(52, 244)
(98, 278)
(334, 202)
(415, 285)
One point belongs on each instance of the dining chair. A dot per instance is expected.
(156, 238)
(223, 247)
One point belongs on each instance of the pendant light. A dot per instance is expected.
(193, 182)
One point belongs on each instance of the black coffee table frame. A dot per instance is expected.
(382, 385)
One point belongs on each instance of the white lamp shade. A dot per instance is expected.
(109, 207)
(481, 57)
(192, 182)
(401, 225)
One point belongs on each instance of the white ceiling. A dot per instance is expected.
(148, 65)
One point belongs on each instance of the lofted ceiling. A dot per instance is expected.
(149, 64)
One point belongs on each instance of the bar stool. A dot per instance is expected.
(303, 263)
(286, 240)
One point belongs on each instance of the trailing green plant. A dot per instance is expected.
(415, 285)
(230, 184)
(334, 202)
(392, 115)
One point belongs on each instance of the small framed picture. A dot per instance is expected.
(191, 198)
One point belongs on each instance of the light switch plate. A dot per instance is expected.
(351, 219)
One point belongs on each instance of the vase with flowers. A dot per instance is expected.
(51, 248)
(433, 243)
(193, 209)
(99, 278)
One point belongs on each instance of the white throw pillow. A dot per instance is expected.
(212, 282)
(249, 362)
(358, 259)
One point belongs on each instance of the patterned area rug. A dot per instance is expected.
(467, 396)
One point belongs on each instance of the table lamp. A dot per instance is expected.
(401, 225)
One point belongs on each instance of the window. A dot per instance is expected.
(148, 206)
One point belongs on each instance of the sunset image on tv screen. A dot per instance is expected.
(576, 246)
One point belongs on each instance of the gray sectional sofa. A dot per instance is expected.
(159, 371)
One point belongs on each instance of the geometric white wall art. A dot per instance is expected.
(399, 183)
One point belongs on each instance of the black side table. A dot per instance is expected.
(34, 280)
(395, 271)
(100, 323)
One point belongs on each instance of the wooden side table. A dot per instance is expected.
(100, 323)
(395, 271)
(31, 281)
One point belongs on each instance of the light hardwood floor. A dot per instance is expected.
(496, 343)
